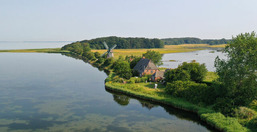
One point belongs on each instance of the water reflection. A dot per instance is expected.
(51, 92)
(124, 100)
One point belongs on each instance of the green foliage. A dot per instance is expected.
(176, 74)
(217, 120)
(97, 55)
(226, 124)
(139, 79)
(253, 105)
(100, 61)
(252, 124)
(197, 71)
(177, 41)
(108, 62)
(191, 91)
(124, 43)
(77, 47)
(117, 79)
(89, 55)
(187, 71)
(122, 69)
(238, 73)
(154, 56)
(244, 113)
(134, 62)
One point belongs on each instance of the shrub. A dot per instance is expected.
(117, 79)
(244, 113)
(196, 70)
(108, 62)
(252, 124)
(176, 74)
(191, 91)
(253, 105)
(131, 81)
(122, 69)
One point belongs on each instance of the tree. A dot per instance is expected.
(122, 69)
(134, 62)
(155, 56)
(108, 61)
(187, 71)
(237, 74)
(177, 74)
(97, 55)
(196, 70)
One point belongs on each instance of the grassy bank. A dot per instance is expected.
(146, 91)
(47, 50)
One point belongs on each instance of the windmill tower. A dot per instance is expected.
(109, 51)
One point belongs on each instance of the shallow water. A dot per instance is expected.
(52, 92)
(4, 45)
(207, 57)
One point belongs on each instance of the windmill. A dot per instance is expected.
(109, 50)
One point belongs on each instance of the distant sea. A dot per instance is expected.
(4, 45)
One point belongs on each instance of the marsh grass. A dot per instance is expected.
(165, 50)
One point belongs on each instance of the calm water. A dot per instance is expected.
(31, 44)
(52, 92)
(201, 56)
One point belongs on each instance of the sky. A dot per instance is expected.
(74, 20)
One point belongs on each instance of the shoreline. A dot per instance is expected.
(222, 123)
(210, 117)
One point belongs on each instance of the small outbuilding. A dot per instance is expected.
(158, 75)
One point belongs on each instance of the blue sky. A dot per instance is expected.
(72, 20)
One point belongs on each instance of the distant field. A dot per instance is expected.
(125, 52)
(166, 49)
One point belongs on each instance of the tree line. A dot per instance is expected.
(137, 43)
(188, 40)
(124, 43)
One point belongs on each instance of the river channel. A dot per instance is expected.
(53, 92)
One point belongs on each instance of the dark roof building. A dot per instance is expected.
(145, 66)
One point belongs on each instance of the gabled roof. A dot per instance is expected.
(159, 74)
(145, 64)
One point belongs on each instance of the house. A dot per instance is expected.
(145, 67)
(158, 75)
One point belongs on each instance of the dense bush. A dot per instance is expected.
(139, 79)
(108, 62)
(176, 74)
(117, 79)
(187, 71)
(193, 92)
(97, 55)
(244, 113)
(122, 69)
